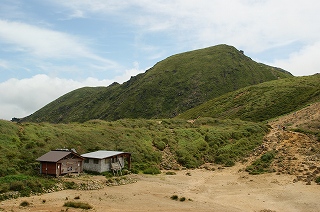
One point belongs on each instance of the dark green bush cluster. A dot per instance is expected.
(81, 205)
(262, 164)
(175, 197)
(152, 170)
(70, 185)
(24, 204)
(159, 144)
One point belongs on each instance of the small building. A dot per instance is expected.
(61, 161)
(102, 161)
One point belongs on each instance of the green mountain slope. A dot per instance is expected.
(192, 144)
(169, 88)
(261, 102)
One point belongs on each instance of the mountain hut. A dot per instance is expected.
(102, 161)
(61, 161)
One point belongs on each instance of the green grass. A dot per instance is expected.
(261, 102)
(206, 140)
(25, 185)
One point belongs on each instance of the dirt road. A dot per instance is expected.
(203, 190)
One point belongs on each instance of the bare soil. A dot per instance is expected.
(290, 187)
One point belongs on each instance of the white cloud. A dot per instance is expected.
(302, 63)
(48, 51)
(19, 98)
(45, 43)
(252, 25)
(4, 64)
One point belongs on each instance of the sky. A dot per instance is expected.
(51, 47)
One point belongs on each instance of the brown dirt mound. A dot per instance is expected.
(297, 153)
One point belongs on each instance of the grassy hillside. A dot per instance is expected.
(172, 86)
(206, 140)
(261, 102)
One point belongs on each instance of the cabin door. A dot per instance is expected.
(58, 169)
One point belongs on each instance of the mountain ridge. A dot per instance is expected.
(170, 87)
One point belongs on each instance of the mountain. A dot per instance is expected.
(261, 102)
(169, 88)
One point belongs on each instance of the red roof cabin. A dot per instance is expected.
(61, 161)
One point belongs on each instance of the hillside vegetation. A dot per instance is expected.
(261, 102)
(169, 88)
(192, 144)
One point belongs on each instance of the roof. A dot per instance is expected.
(101, 154)
(55, 155)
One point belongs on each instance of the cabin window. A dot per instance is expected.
(95, 161)
(86, 160)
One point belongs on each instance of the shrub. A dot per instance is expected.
(171, 173)
(159, 144)
(174, 197)
(317, 180)
(107, 174)
(24, 204)
(70, 185)
(81, 205)
(182, 199)
(229, 163)
(17, 186)
(4, 188)
(262, 164)
(152, 170)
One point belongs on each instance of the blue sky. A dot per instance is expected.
(48, 48)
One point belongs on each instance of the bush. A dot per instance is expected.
(70, 185)
(262, 164)
(171, 173)
(174, 197)
(24, 204)
(159, 144)
(317, 180)
(17, 186)
(152, 170)
(107, 174)
(24, 184)
(81, 205)
(182, 199)
(4, 188)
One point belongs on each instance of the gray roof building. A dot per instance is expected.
(103, 160)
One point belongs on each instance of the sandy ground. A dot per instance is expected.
(221, 190)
